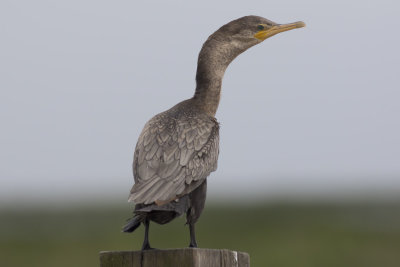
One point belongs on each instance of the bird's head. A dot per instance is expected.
(251, 30)
(231, 40)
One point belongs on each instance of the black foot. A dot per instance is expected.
(147, 247)
(192, 245)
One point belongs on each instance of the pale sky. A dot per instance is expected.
(310, 111)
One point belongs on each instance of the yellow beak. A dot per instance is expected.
(264, 34)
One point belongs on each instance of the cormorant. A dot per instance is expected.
(178, 148)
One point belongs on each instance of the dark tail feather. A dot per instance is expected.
(132, 224)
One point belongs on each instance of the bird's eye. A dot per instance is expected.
(260, 27)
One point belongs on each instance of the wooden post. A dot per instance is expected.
(184, 257)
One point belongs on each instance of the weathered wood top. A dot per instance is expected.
(184, 257)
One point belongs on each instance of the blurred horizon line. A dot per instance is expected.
(234, 197)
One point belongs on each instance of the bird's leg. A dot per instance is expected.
(146, 244)
(193, 243)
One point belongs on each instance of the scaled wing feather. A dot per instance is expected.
(173, 156)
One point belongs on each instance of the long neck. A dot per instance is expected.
(214, 58)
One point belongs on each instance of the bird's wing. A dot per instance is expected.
(173, 156)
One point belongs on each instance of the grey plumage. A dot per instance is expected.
(176, 151)
(178, 148)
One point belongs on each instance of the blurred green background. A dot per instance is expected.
(274, 234)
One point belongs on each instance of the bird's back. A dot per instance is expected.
(175, 153)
